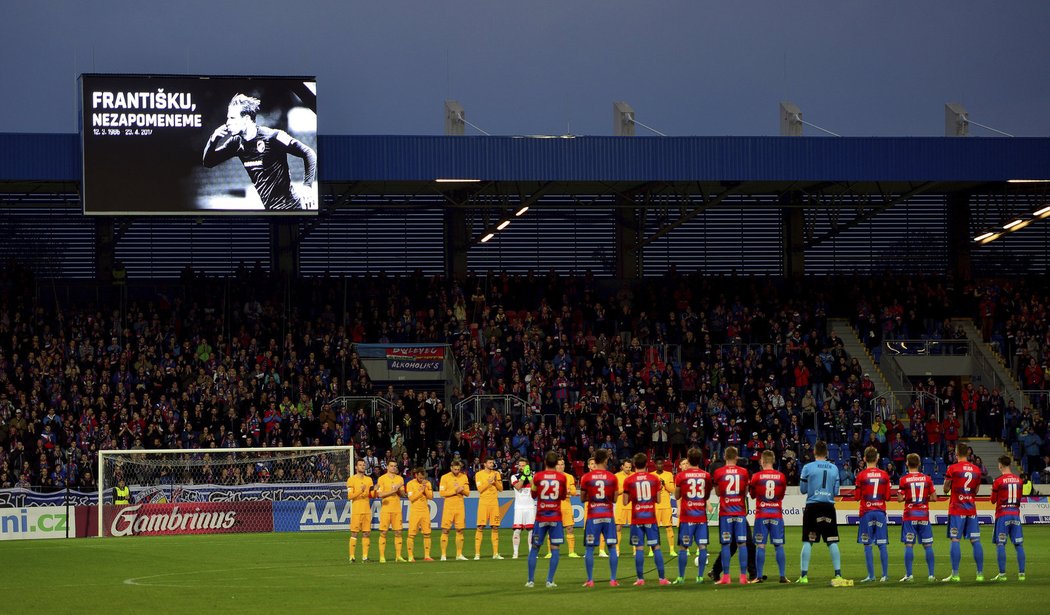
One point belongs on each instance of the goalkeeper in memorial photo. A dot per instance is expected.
(264, 153)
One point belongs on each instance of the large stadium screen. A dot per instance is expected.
(156, 144)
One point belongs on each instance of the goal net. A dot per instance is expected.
(213, 491)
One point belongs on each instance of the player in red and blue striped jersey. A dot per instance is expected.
(1006, 495)
(549, 487)
(767, 486)
(642, 491)
(873, 490)
(731, 483)
(961, 482)
(598, 490)
(691, 486)
(916, 493)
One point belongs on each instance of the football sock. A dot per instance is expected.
(639, 561)
(426, 546)
(534, 554)
(658, 557)
(614, 560)
(836, 558)
(588, 562)
(741, 554)
(683, 559)
(570, 538)
(703, 562)
(1000, 556)
(444, 545)
(555, 556)
(807, 549)
(364, 547)
(760, 560)
(1020, 558)
(670, 535)
(929, 559)
(884, 556)
(869, 561)
(955, 552)
(382, 545)
(909, 559)
(495, 541)
(725, 559)
(353, 545)
(398, 543)
(781, 560)
(529, 544)
(477, 540)
(978, 556)
(459, 543)
(516, 541)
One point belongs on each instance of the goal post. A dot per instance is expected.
(219, 490)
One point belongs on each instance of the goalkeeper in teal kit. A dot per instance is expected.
(264, 153)
(819, 482)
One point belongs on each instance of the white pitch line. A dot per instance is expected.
(138, 581)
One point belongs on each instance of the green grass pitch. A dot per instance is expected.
(309, 573)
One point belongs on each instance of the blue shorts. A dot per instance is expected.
(690, 534)
(732, 528)
(647, 534)
(873, 528)
(916, 531)
(960, 527)
(769, 529)
(548, 529)
(1008, 528)
(597, 529)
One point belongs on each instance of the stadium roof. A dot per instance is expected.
(405, 161)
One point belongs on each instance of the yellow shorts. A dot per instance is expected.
(489, 515)
(390, 520)
(419, 523)
(663, 517)
(567, 520)
(622, 514)
(361, 522)
(453, 517)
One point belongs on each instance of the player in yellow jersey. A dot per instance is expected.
(663, 506)
(622, 510)
(359, 491)
(489, 483)
(389, 489)
(454, 487)
(419, 493)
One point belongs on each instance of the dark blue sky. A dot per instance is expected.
(688, 67)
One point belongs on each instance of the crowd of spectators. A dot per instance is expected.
(658, 365)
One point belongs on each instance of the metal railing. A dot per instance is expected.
(929, 347)
(375, 406)
(1037, 399)
(475, 407)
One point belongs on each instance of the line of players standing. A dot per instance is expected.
(633, 497)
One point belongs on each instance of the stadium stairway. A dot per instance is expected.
(989, 452)
(990, 366)
(855, 348)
